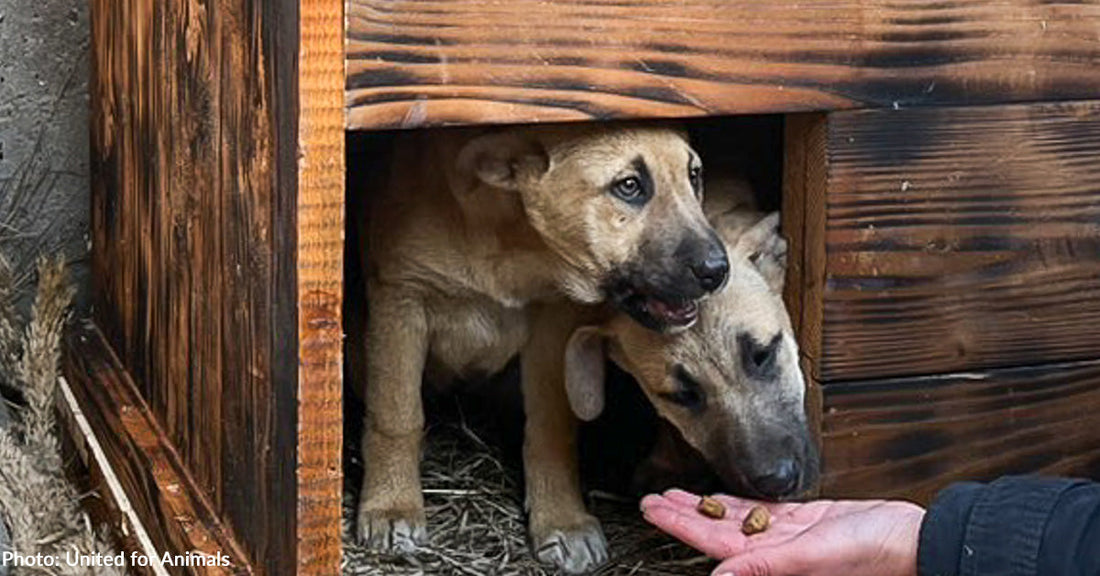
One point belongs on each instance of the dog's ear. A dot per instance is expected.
(507, 160)
(584, 372)
(766, 248)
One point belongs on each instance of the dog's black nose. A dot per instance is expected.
(781, 481)
(711, 272)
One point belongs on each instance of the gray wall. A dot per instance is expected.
(44, 132)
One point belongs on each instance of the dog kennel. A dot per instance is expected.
(941, 191)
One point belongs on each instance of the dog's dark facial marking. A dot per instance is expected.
(689, 394)
(758, 359)
(635, 189)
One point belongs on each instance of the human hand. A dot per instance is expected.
(819, 538)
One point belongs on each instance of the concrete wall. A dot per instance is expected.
(44, 132)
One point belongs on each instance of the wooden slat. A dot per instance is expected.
(803, 213)
(432, 62)
(174, 513)
(216, 222)
(320, 254)
(911, 437)
(961, 238)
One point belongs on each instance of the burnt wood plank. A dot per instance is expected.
(910, 437)
(431, 62)
(217, 185)
(961, 238)
(174, 512)
(176, 85)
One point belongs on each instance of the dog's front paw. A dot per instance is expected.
(401, 531)
(575, 549)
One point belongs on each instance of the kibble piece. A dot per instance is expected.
(711, 508)
(756, 521)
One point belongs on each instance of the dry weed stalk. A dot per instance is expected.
(38, 366)
(40, 507)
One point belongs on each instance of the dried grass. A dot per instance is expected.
(477, 524)
(40, 507)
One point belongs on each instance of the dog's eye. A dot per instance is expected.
(629, 189)
(695, 175)
(689, 394)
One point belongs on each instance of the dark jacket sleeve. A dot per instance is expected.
(1015, 526)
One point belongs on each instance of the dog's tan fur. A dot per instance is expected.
(748, 422)
(468, 246)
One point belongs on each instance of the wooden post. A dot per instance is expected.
(217, 230)
(804, 173)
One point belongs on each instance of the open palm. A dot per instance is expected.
(820, 538)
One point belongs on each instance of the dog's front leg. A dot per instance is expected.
(562, 531)
(391, 505)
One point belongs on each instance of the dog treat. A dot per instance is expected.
(711, 508)
(756, 521)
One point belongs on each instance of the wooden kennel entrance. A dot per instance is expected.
(942, 194)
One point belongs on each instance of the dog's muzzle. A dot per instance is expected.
(662, 290)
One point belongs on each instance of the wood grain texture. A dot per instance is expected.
(175, 513)
(803, 213)
(961, 239)
(90, 478)
(320, 223)
(432, 62)
(910, 437)
(181, 222)
(212, 262)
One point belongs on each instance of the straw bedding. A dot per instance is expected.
(473, 494)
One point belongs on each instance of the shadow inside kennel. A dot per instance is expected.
(472, 461)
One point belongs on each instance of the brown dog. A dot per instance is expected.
(731, 384)
(469, 243)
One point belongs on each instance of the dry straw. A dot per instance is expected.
(39, 506)
(477, 524)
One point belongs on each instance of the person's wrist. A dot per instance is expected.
(905, 539)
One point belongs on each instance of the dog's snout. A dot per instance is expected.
(782, 480)
(712, 269)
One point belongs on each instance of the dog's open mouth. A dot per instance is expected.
(673, 313)
(659, 313)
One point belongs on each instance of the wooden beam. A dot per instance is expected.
(432, 62)
(154, 501)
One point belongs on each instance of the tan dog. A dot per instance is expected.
(469, 243)
(731, 384)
